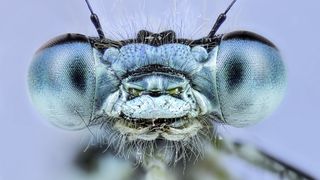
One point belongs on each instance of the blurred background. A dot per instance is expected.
(32, 149)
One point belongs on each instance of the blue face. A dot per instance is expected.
(147, 91)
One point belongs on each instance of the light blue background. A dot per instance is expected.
(33, 150)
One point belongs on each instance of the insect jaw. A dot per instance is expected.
(156, 122)
(176, 129)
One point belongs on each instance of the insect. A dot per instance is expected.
(158, 100)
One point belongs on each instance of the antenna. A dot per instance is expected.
(95, 21)
(222, 17)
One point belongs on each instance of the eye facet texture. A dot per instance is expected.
(62, 81)
(251, 78)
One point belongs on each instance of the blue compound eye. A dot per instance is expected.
(251, 78)
(62, 81)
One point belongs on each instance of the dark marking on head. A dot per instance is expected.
(234, 74)
(78, 75)
(155, 93)
(155, 68)
(156, 39)
(246, 35)
(64, 39)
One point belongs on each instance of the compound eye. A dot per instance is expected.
(251, 78)
(62, 81)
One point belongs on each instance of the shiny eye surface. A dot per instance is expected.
(175, 91)
(62, 81)
(251, 78)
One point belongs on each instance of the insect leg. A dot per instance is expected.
(263, 160)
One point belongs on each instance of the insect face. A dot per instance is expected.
(238, 82)
(155, 92)
(157, 86)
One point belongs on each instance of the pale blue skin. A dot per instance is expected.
(210, 87)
